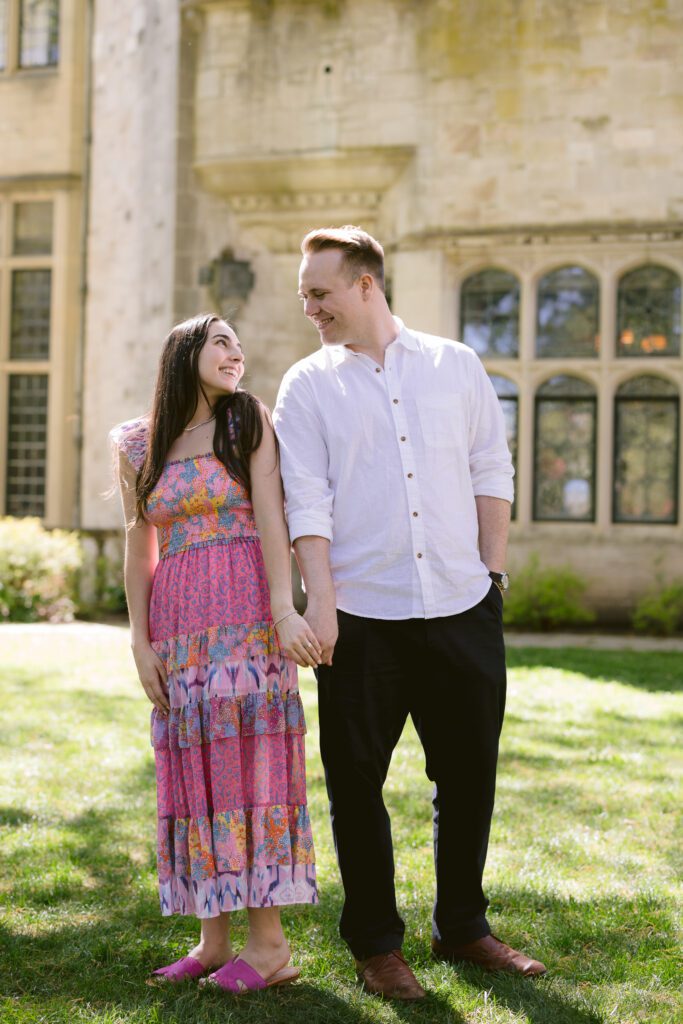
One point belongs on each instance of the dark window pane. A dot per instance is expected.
(568, 314)
(646, 425)
(30, 334)
(647, 386)
(503, 386)
(566, 387)
(564, 485)
(489, 313)
(39, 33)
(4, 12)
(32, 229)
(507, 395)
(649, 313)
(26, 448)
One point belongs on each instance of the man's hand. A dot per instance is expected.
(321, 615)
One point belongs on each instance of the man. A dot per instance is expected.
(398, 483)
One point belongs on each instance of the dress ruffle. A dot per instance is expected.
(273, 886)
(229, 644)
(249, 714)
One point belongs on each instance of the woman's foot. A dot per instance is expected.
(210, 955)
(266, 957)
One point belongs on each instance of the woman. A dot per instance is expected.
(216, 653)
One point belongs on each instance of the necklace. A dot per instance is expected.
(188, 430)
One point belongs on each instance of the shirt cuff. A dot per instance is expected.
(507, 493)
(303, 524)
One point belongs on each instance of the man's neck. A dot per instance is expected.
(379, 336)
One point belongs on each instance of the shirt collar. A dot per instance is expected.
(404, 337)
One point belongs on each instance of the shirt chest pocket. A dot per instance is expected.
(443, 421)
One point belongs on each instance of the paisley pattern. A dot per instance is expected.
(233, 827)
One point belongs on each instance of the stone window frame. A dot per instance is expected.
(592, 399)
(646, 358)
(468, 281)
(648, 369)
(554, 269)
(609, 261)
(10, 39)
(51, 366)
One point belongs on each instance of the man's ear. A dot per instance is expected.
(367, 284)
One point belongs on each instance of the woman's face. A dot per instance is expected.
(221, 363)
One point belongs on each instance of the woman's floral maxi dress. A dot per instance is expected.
(233, 826)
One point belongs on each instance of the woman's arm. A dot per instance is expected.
(141, 558)
(295, 635)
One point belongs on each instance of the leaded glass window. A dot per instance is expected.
(564, 456)
(646, 430)
(568, 314)
(30, 329)
(39, 33)
(649, 312)
(26, 444)
(508, 396)
(32, 229)
(489, 313)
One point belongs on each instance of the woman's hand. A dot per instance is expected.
(152, 676)
(298, 641)
(322, 617)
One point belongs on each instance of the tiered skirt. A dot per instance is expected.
(233, 827)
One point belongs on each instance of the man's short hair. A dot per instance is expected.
(361, 252)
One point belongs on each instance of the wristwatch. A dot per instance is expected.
(502, 580)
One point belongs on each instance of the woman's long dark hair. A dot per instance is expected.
(238, 430)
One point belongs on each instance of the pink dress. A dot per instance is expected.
(233, 827)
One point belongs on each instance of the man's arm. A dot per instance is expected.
(309, 502)
(493, 516)
(313, 558)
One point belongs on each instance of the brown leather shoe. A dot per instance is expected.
(491, 954)
(388, 975)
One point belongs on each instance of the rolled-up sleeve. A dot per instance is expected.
(491, 468)
(304, 459)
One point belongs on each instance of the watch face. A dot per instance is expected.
(501, 579)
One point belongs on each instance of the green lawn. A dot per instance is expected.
(581, 873)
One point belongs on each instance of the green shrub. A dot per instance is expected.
(660, 612)
(546, 598)
(37, 571)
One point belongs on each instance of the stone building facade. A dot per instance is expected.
(521, 162)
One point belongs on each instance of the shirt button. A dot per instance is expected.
(378, 369)
(419, 554)
(396, 401)
(410, 476)
(415, 513)
(403, 437)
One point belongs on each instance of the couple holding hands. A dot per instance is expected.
(387, 448)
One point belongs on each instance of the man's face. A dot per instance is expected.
(331, 300)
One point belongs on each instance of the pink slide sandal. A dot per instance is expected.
(238, 977)
(181, 970)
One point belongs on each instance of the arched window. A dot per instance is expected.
(649, 312)
(508, 396)
(564, 454)
(489, 313)
(568, 314)
(646, 412)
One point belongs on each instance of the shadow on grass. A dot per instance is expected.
(14, 816)
(103, 963)
(655, 671)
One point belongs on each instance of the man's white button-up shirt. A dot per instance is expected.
(385, 462)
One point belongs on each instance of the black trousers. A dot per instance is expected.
(448, 674)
